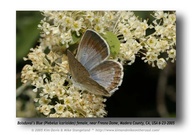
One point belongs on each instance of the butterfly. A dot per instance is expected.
(90, 69)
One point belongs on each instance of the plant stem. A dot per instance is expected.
(22, 88)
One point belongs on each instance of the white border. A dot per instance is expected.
(8, 52)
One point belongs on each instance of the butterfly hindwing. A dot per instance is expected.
(81, 78)
(108, 74)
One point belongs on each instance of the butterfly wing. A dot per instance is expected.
(92, 50)
(76, 69)
(81, 77)
(108, 74)
(90, 71)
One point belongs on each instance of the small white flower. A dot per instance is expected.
(152, 41)
(161, 63)
(44, 100)
(172, 55)
(99, 28)
(68, 21)
(76, 26)
(159, 14)
(90, 16)
(59, 108)
(45, 109)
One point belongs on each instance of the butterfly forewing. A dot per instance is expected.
(92, 50)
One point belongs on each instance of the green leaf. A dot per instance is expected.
(27, 33)
(75, 37)
(113, 42)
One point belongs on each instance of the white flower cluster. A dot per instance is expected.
(61, 29)
(58, 27)
(57, 96)
(64, 28)
(162, 41)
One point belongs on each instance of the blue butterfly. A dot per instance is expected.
(90, 69)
